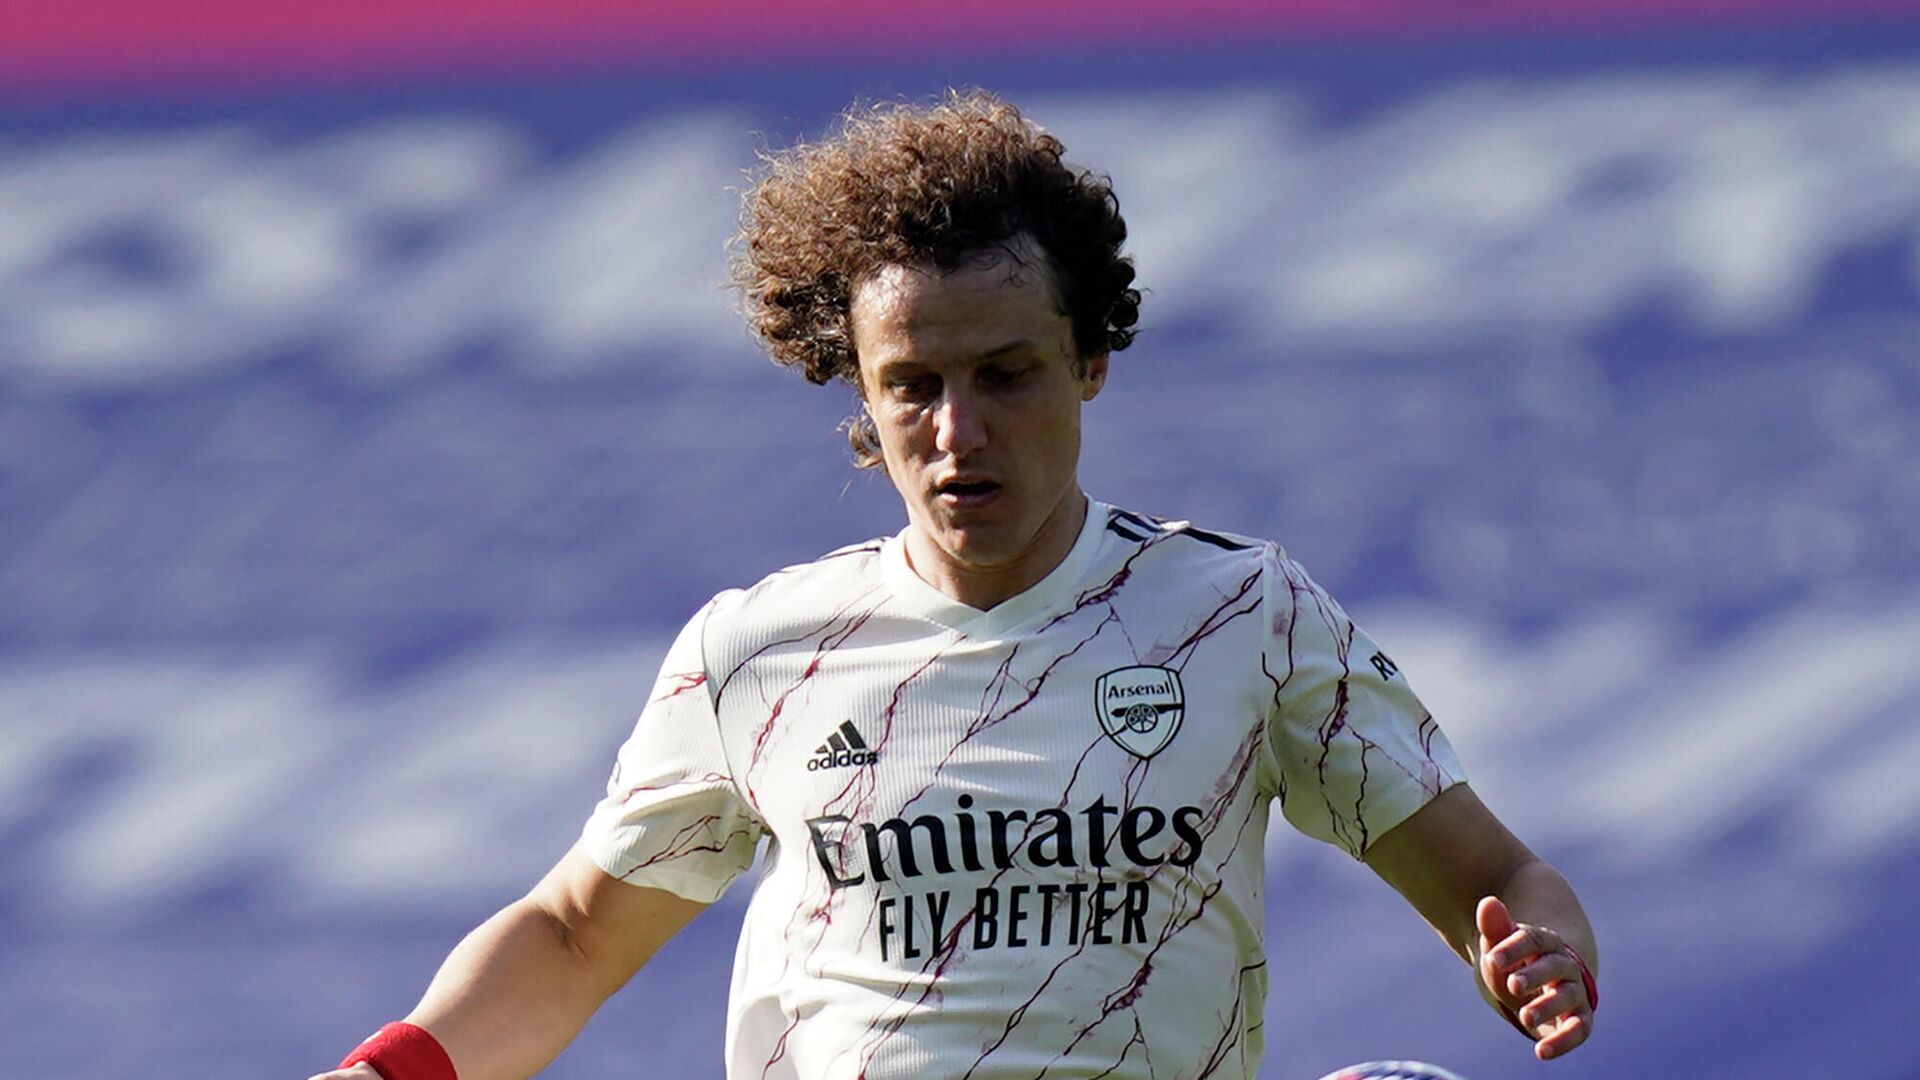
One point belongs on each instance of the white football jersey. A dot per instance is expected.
(1023, 842)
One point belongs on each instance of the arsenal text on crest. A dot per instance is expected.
(1140, 707)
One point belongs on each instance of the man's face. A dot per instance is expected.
(970, 378)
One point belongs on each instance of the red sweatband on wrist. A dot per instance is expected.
(1586, 978)
(402, 1051)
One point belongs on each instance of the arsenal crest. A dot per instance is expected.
(1140, 707)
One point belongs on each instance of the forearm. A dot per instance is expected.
(512, 995)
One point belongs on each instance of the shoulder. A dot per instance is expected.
(1179, 566)
(1217, 560)
(1138, 526)
(1187, 548)
(803, 595)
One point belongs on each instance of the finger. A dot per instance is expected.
(1493, 920)
(1544, 1011)
(1494, 923)
(1540, 972)
(1570, 1032)
(1522, 945)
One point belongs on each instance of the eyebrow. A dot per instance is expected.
(998, 352)
(1022, 345)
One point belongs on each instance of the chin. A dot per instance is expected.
(979, 545)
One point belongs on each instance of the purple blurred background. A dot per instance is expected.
(372, 412)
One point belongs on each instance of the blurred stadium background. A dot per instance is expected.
(372, 412)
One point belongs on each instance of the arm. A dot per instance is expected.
(517, 990)
(1499, 908)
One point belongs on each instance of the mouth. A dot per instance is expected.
(965, 492)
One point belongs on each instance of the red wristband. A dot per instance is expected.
(1586, 978)
(402, 1051)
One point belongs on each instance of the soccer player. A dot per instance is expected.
(1014, 765)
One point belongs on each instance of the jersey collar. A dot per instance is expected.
(1043, 597)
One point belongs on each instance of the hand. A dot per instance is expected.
(362, 1071)
(1529, 970)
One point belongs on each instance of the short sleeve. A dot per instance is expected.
(672, 817)
(1356, 752)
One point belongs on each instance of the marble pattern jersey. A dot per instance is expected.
(1022, 842)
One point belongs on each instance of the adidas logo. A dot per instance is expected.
(842, 748)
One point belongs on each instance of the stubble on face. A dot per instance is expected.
(974, 385)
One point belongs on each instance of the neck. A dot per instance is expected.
(985, 587)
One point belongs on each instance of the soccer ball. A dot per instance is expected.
(1392, 1070)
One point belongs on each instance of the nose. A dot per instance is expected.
(959, 428)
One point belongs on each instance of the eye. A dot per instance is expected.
(913, 387)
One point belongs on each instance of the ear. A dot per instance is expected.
(1094, 378)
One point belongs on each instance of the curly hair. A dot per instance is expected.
(921, 186)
